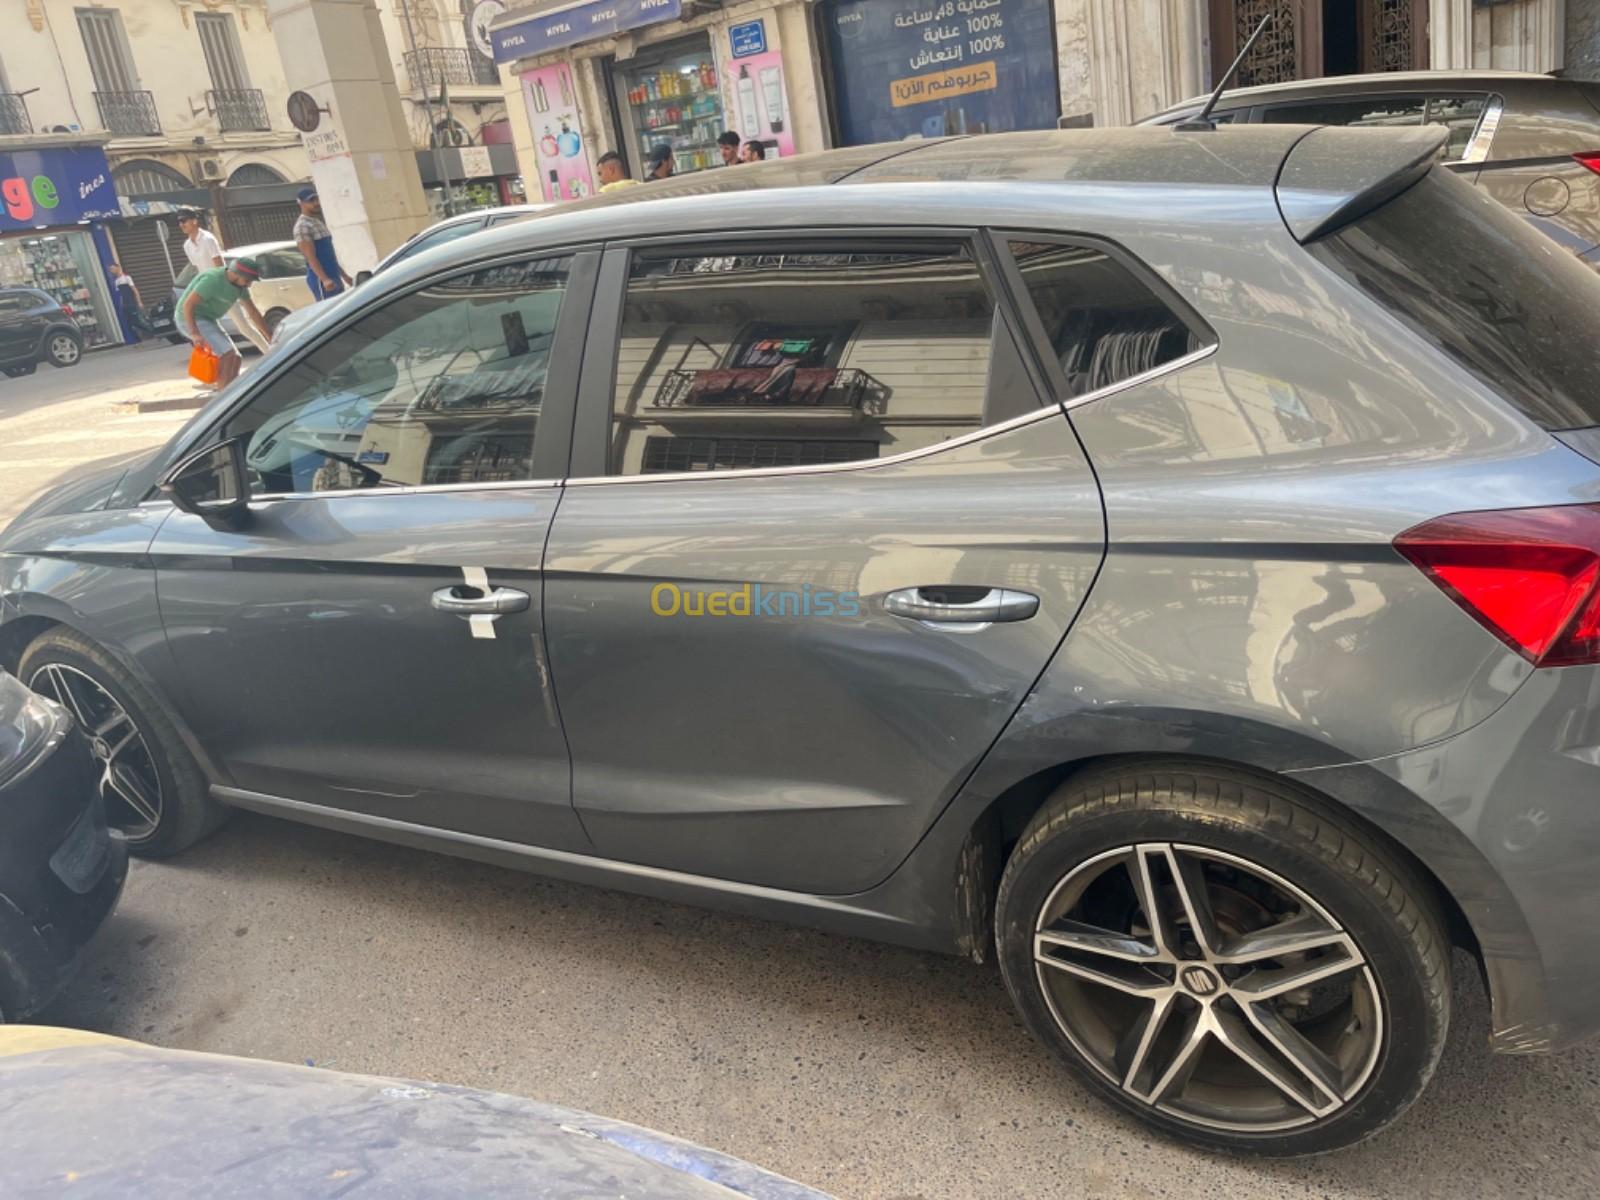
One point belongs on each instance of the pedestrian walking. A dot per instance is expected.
(130, 305)
(207, 299)
(728, 147)
(753, 152)
(659, 165)
(201, 248)
(324, 276)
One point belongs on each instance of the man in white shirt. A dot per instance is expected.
(201, 248)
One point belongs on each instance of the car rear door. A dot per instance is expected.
(19, 332)
(825, 530)
(371, 638)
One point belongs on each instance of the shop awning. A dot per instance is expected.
(551, 24)
(466, 162)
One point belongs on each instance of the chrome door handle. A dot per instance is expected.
(466, 601)
(961, 609)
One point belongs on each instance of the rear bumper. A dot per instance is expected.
(1518, 847)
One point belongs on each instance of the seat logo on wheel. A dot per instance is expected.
(1199, 981)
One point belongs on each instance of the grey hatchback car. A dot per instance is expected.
(1530, 141)
(1166, 562)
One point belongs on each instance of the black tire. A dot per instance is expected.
(187, 811)
(62, 348)
(1219, 817)
(273, 317)
(21, 370)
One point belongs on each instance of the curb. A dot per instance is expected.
(166, 404)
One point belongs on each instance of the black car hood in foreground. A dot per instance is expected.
(85, 488)
(100, 1117)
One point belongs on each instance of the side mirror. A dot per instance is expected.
(212, 484)
(362, 277)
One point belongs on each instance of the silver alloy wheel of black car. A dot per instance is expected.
(129, 781)
(1208, 987)
(64, 350)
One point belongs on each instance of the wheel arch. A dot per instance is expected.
(993, 832)
(21, 632)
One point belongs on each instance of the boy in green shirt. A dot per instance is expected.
(204, 302)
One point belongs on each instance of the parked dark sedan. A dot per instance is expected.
(34, 328)
(61, 869)
(1048, 547)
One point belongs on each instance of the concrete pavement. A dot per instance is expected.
(870, 1071)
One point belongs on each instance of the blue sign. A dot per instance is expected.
(941, 67)
(749, 38)
(55, 187)
(573, 23)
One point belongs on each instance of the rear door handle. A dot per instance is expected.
(467, 601)
(961, 609)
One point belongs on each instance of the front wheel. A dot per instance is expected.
(154, 791)
(21, 370)
(1225, 957)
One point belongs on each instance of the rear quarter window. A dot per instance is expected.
(1509, 305)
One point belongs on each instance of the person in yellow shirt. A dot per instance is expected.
(614, 173)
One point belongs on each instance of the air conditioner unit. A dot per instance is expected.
(208, 168)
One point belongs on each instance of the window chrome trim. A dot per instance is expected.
(421, 489)
(977, 435)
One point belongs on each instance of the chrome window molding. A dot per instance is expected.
(424, 489)
(977, 435)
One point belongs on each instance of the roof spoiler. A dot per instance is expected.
(1337, 174)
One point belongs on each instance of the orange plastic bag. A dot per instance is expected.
(203, 364)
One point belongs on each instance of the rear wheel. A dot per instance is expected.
(64, 349)
(20, 370)
(155, 792)
(273, 317)
(1226, 958)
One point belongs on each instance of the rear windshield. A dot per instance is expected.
(1510, 305)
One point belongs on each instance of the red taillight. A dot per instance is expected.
(1531, 576)
(67, 308)
(1590, 159)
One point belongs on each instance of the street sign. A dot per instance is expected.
(305, 114)
(747, 39)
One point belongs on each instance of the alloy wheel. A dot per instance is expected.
(1208, 987)
(129, 782)
(64, 350)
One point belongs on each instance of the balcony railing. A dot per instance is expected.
(130, 114)
(14, 113)
(757, 388)
(239, 111)
(430, 69)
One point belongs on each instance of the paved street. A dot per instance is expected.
(863, 1069)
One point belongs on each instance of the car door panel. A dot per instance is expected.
(804, 736)
(805, 751)
(317, 669)
(406, 462)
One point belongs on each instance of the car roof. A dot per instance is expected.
(1042, 179)
(1382, 81)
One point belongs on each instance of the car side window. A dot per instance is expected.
(283, 264)
(439, 385)
(779, 359)
(1460, 115)
(1367, 110)
(1103, 324)
(438, 237)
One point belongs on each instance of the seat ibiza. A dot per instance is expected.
(1166, 562)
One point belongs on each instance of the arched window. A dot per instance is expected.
(146, 177)
(254, 174)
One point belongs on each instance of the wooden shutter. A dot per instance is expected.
(220, 41)
(107, 48)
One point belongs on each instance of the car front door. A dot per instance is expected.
(19, 332)
(370, 638)
(825, 530)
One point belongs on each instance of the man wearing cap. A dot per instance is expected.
(207, 298)
(324, 276)
(659, 165)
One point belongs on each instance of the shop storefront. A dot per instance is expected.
(931, 69)
(478, 177)
(669, 93)
(51, 232)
